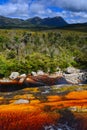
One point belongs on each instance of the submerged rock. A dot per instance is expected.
(21, 101)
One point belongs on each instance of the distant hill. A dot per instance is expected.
(38, 23)
(6, 22)
(81, 27)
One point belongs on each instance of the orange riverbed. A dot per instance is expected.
(37, 114)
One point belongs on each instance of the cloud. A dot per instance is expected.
(15, 8)
(79, 17)
(37, 9)
(71, 10)
(71, 5)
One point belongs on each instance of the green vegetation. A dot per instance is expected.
(25, 51)
(66, 89)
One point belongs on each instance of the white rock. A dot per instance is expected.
(40, 72)
(21, 101)
(72, 70)
(14, 75)
(72, 78)
(34, 73)
(23, 75)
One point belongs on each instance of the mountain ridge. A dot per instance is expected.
(33, 22)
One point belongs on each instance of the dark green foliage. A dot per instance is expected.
(11, 55)
(25, 51)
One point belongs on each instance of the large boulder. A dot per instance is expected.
(72, 78)
(76, 78)
(71, 70)
(14, 75)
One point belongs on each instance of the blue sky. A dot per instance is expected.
(72, 11)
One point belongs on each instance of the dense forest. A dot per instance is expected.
(25, 51)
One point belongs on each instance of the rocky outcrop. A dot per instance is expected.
(44, 80)
(14, 75)
(17, 82)
(76, 78)
(71, 75)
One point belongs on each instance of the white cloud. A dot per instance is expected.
(72, 10)
(79, 17)
(14, 9)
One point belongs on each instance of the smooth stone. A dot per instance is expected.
(21, 101)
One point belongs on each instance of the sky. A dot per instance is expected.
(73, 11)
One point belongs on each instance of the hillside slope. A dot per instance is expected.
(32, 22)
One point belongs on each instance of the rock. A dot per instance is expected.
(74, 108)
(5, 80)
(40, 72)
(71, 78)
(23, 76)
(21, 80)
(83, 77)
(76, 78)
(59, 73)
(34, 73)
(71, 70)
(14, 75)
(21, 101)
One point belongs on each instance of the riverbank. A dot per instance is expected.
(40, 78)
